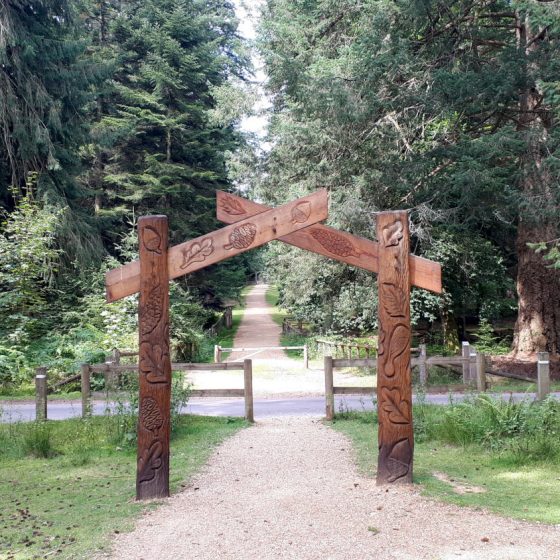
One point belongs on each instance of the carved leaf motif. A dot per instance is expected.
(336, 244)
(393, 233)
(152, 311)
(301, 213)
(153, 363)
(232, 206)
(150, 415)
(393, 299)
(197, 252)
(399, 460)
(394, 406)
(150, 461)
(397, 346)
(242, 237)
(151, 239)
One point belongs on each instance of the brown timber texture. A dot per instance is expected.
(394, 384)
(332, 243)
(225, 242)
(152, 474)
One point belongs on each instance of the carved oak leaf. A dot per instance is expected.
(398, 344)
(150, 415)
(394, 406)
(153, 363)
(197, 252)
(399, 459)
(151, 239)
(393, 299)
(301, 213)
(152, 311)
(149, 462)
(242, 237)
(393, 233)
(231, 206)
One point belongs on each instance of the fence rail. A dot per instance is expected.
(110, 369)
(219, 350)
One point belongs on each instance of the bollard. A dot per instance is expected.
(543, 375)
(41, 393)
(329, 388)
(472, 366)
(306, 357)
(248, 385)
(86, 390)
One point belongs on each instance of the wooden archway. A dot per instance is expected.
(252, 225)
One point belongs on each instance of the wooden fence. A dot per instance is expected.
(219, 351)
(111, 370)
(473, 366)
(345, 349)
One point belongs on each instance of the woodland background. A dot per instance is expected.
(112, 109)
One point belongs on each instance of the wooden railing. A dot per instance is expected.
(219, 351)
(111, 370)
(345, 349)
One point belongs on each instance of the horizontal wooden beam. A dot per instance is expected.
(224, 243)
(369, 363)
(223, 393)
(104, 368)
(354, 390)
(332, 243)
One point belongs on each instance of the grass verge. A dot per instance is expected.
(68, 506)
(510, 476)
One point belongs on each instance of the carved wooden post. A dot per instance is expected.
(394, 384)
(152, 474)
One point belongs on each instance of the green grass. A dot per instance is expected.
(507, 481)
(272, 297)
(68, 506)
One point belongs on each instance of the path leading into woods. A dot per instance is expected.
(288, 489)
(257, 329)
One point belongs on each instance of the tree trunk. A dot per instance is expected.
(538, 287)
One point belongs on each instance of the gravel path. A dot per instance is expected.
(287, 488)
(257, 329)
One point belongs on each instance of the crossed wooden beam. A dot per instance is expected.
(252, 225)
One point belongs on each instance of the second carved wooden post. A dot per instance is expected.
(152, 474)
(394, 384)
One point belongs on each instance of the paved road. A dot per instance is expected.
(264, 408)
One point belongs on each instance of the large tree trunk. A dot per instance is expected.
(538, 322)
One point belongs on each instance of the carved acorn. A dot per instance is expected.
(242, 237)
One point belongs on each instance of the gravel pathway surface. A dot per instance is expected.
(257, 329)
(288, 488)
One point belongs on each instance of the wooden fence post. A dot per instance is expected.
(86, 390)
(41, 393)
(543, 375)
(152, 472)
(394, 380)
(466, 353)
(480, 372)
(305, 357)
(472, 365)
(422, 368)
(229, 317)
(329, 390)
(216, 354)
(248, 385)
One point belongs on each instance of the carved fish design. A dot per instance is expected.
(242, 237)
